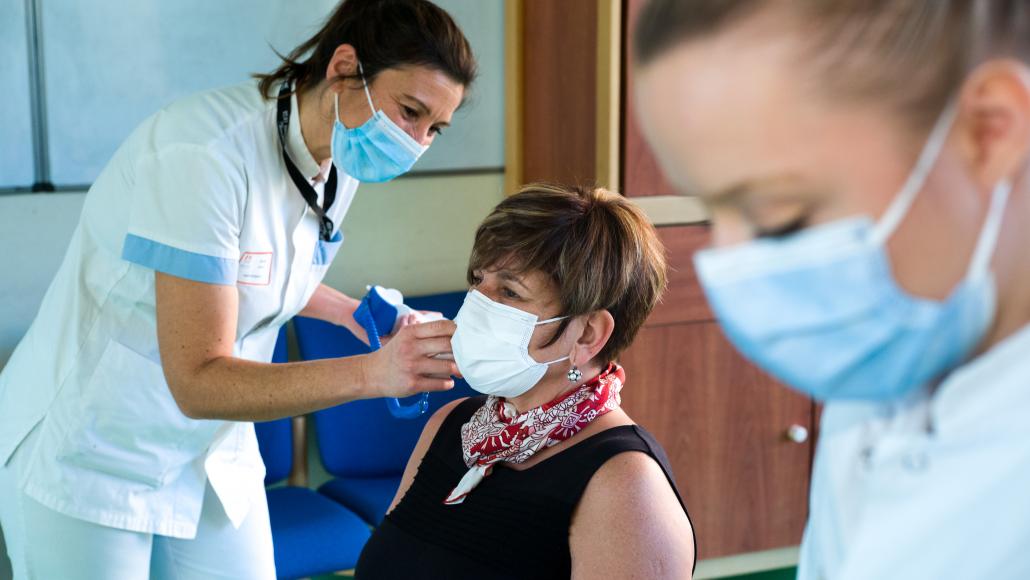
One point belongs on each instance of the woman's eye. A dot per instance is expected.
(436, 131)
(508, 293)
(790, 228)
(410, 113)
(476, 280)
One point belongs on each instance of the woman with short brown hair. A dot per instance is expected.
(545, 475)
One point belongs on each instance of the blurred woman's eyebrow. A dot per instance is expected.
(748, 187)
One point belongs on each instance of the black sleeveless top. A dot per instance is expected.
(515, 524)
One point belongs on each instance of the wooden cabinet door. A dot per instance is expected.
(641, 174)
(559, 51)
(722, 421)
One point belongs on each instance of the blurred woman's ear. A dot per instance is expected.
(994, 121)
(597, 329)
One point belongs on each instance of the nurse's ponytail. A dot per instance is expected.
(912, 54)
(386, 34)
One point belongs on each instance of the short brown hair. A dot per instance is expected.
(912, 53)
(386, 34)
(598, 248)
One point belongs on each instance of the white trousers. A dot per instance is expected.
(43, 544)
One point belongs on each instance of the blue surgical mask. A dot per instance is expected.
(821, 310)
(377, 150)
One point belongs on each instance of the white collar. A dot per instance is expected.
(996, 377)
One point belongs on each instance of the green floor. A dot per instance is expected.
(784, 574)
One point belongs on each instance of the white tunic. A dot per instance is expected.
(937, 486)
(199, 191)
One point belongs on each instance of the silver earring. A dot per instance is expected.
(575, 374)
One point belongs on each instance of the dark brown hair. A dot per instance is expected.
(915, 53)
(598, 248)
(385, 34)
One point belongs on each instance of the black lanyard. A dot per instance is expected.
(282, 121)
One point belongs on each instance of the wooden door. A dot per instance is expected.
(641, 175)
(559, 81)
(722, 421)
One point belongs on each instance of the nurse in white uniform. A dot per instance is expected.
(866, 169)
(126, 443)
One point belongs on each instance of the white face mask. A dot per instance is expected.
(491, 347)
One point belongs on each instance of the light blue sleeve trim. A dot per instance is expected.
(326, 251)
(189, 265)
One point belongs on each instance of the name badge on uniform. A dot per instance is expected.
(255, 269)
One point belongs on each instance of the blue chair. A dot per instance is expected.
(310, 533)
(361, 443)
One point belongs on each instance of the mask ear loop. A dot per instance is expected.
(917, 179)
(548, 321)
(364, 83)
(984, 251)
(336, 99)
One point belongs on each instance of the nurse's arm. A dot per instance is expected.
(334, 307)
(196, 328)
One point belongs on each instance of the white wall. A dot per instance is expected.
(34, 232)
(413, 234)
(173, 42)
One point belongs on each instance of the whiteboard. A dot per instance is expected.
(112, 63)
(16, 159)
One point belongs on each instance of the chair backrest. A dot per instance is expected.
(362, 438)
(275, 438)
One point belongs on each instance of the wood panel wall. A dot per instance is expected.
(641, 175)
(721, 420)
(559, 105)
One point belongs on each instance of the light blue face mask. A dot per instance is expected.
(821, 310)
(377, 150)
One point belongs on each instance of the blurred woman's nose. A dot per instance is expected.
(728, 228)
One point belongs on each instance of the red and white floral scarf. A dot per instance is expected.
(497, 433)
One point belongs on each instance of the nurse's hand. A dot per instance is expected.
(417, 317)
(404, 321)
(404, 366)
